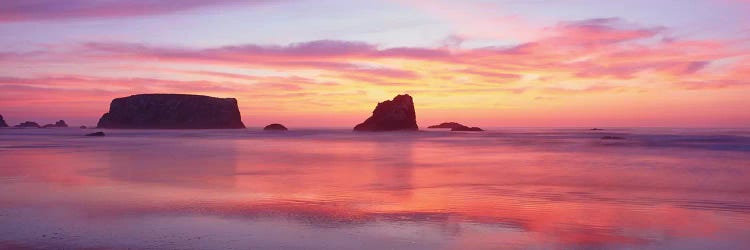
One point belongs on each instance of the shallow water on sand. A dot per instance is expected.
(333, 189)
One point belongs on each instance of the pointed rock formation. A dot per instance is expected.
(172, 111)
(2, 122)
(58, 124)
(275, 127)
(396, 114)
(27, 124)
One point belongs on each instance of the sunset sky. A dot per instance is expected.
(328, 62)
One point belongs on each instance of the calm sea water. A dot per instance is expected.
(509, 188)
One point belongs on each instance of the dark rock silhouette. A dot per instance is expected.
(447, 125)
(454, 126)
(2, 122)
(58, 124)
(100, 133)
(596, 129)
(275, 127)
(396, 114)
(172, 111)
(465, 128)
(27, 124)
(613, 138)
(82, 127)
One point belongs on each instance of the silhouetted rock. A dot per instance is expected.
(447, 125)
(465, 128)
(100, 133)
(596, 129)
(58, 124)
(2, 122)
(172, 111)
(613, 138)
(275, 127)
(82, 127)
(27, 124)
(396, 114)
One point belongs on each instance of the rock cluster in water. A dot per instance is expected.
(2, 122)
(27, 124)
(58, 124)
(275, 127)
(391, 115)
(172, 111)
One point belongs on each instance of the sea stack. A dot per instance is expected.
(172, 111)
(2, 122)
(391, 115)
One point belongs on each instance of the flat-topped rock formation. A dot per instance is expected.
(27, 124)
(58, 124)
(391, 115)
(172, 111)
(275, 127)
(2, 122)
(466, 128)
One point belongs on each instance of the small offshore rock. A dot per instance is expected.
(100, 133)
(613, 138)
(275, 127)
(449, 125)
(465, 128)
(28, 124)
(2, 122)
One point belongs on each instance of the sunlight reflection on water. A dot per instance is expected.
(508, 188)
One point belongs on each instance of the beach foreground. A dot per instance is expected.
(513, 188)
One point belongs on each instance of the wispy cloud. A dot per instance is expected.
(34, 10)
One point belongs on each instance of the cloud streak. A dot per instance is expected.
(36, 10)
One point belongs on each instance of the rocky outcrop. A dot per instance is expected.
(27, 124)
(465, 128)
(58, 124)
(82, 127)
(2, 122)
(275, 127)
(172, 111)
(96, 134)
(447, 125)
(609, 137)
(396, 114)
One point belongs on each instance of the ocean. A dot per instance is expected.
(506, 188)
